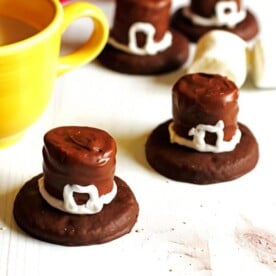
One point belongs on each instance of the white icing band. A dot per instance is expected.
(198, 143)
(226, 14)
(150, 48)
(93, 205)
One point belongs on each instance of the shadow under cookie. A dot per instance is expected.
(36, 217)
(246, 29)
(170, 59)
(188, 165)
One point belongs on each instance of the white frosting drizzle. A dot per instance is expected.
(230, 18)
(150, 48)
(198, 142)
(93, 205)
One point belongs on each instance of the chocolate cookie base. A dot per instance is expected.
(247, 29)
(188, 165)
(169, 60)
(37, 218)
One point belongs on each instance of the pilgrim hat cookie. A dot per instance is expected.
(77, 200)
(141, 42)
(202, 16)
(203, 143)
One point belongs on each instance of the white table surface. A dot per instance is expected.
(182, 229)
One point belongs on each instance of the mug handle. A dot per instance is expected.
(96, 42)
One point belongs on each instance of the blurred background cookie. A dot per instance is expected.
(199, 17)
(141, 41)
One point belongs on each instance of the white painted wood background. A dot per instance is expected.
(182, 229)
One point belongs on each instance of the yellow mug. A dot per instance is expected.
(30, 62)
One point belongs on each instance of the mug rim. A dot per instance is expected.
(56, 21)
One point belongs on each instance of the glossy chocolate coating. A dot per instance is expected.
(205, 99)
(78, 155)
(128, 12)
(206, 8)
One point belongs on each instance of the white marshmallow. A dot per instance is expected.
(223, 53)
(263, 58)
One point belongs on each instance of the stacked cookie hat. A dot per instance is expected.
(141, 41)
(201, 16)
(204, 142)
(77, 200)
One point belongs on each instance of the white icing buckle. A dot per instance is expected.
(198, 143)
(226, 13)
(92, 206)
(150, 48)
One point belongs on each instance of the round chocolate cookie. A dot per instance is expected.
(35, 216)
(170, 59)
(181, 163)
(246, 29)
